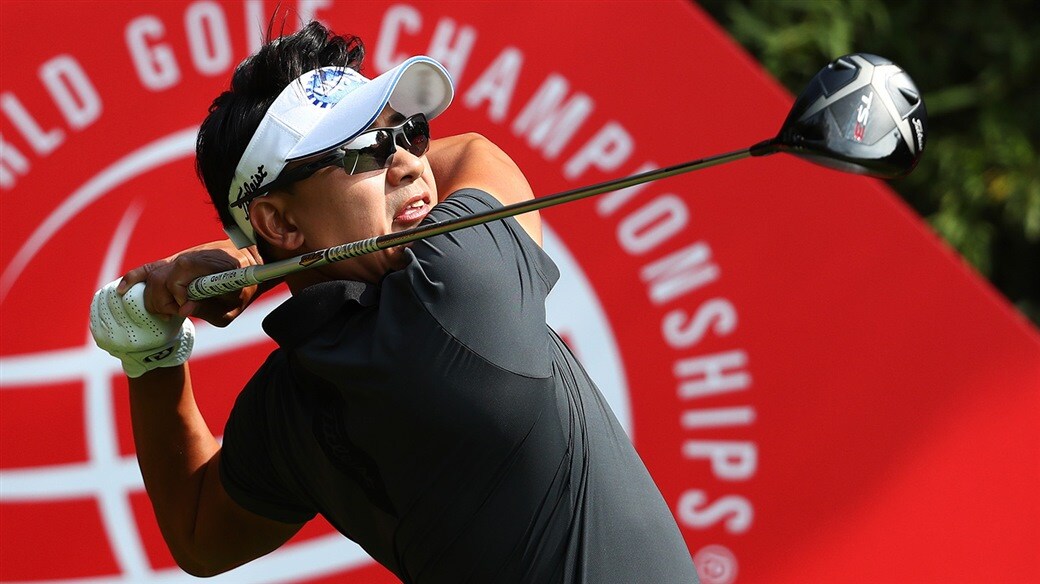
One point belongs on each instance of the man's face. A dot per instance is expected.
(332, 207)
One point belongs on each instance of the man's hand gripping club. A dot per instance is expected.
(142, 341)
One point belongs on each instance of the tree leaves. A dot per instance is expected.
(978, 67)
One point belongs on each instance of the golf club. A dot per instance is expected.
(861, 114)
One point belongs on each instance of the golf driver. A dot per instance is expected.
(861, 113)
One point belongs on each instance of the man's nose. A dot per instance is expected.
(404, 165)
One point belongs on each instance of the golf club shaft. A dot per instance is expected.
(223, 282)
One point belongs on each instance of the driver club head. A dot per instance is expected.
(861, 113)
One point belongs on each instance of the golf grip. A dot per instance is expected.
(223, 282)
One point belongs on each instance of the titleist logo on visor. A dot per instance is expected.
(249, 187)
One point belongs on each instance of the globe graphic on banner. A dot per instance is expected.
(110, 478)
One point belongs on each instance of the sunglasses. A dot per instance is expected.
(371, 150)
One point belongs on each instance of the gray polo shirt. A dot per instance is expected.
(437, 421)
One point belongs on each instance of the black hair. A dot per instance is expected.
(236, 113)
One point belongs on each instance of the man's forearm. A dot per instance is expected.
(174, 449)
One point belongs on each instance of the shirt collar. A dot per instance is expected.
(296, 319)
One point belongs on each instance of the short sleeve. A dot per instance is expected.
(485, 285)
(253, 468)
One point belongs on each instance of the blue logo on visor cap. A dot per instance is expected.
(327, 86)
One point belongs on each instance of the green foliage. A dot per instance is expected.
(977, 65)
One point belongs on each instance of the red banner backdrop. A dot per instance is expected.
(821, 389)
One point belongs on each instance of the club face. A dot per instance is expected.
(861, 113)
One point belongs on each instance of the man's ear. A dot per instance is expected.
(269, 220)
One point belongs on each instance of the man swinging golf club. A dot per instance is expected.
(417, 399)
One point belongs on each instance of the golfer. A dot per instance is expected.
(417, 398)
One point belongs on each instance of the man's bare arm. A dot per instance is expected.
(473, 161)
(206, 531)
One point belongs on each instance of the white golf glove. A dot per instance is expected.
(142, 341)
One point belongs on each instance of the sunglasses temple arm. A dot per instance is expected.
(223, 282)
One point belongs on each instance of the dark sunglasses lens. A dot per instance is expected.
(417, 133)
(374, 157)
(413, 135)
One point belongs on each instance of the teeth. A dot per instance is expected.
(416, 205)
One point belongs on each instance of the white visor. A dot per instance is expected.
(322, 110)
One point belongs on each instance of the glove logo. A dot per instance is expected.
(159, 356)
